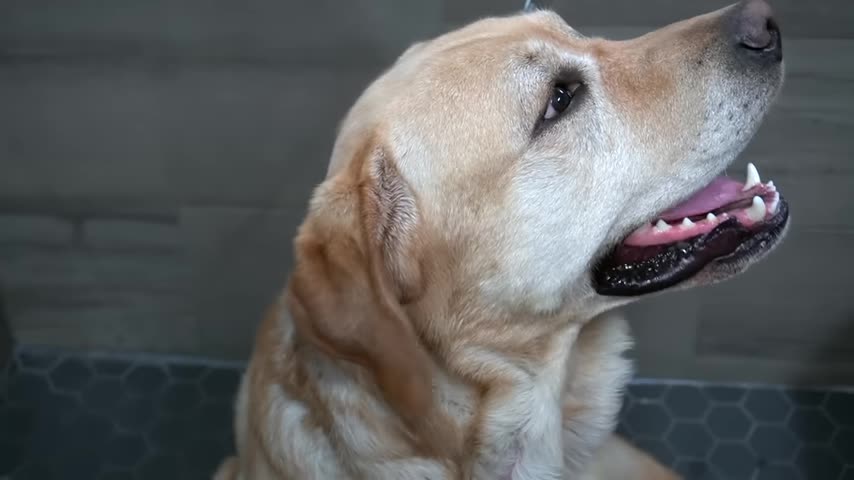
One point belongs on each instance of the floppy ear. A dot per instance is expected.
(353, 268)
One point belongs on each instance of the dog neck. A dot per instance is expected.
(520, 421)
(543, 415)
(514, 402)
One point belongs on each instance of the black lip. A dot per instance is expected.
(636, 271)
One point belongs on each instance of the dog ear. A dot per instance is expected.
(354, 267)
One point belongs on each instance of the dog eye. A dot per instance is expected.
(560, 100)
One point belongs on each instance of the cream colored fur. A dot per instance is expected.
(440, 322)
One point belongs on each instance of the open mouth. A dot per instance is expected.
(725, 222)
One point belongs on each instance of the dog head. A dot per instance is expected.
(517, 164)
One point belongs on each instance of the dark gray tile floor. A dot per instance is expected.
(80, 417)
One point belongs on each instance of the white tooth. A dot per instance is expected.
(662, 226)
(752, 177)
(711, 217)
(756, 212)
(775, 202)
(771, 186)
(687, 223)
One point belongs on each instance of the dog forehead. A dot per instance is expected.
(482, 82)
(491, 64)
(511, 38)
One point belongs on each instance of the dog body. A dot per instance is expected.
(443, 320)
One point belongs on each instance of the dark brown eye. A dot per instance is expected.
(560, 100)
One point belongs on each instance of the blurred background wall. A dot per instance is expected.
(156, 158)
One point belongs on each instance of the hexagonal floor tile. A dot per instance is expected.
(773, 443)
(150, 418)
(695, 470)
(162, 465)
(811, 425)
(145, 380)
(818, 462)
(37, 359)
(686, 402)
(16, 422)
(89, 428)
(658, 449)
(117, 474)
(734, 461)
(779, 472)
(843, 443)
(34, 470)
(72, 374)
(806, 398)
(840, 407)
(647, 391)
(11, 457)
(221, 383)
(125, 451)
(103, 394)
(724, 394)
(27, 389)
(135, 414)
(182, 371)
(690, 440)
(180, 398)
(78, 461)
(728, 422)
(171, 434)
(111, 367)
(650, 420)
(623, 431)
(203, 457)
(212, 420)
(767, 405)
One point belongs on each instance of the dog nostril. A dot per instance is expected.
(756, 40)
(761, 39)
(755, 27)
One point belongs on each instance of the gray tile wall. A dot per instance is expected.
(157, 157)
(5, 337)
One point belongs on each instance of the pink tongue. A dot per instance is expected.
(720, 192)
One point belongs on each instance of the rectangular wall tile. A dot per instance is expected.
(228, 110)
(794, 306)
(46, 230)
(140, 323)
(822, 19)
(115, 293)
(323, 32)
(202, 136)
(241, 260)
(31, 267)
(5, 338)
(124, 234)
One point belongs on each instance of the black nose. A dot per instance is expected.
(756, 31)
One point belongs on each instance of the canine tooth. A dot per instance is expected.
(752, 177)
(710, 217)
(771, 185)
(756, 212)
(687, 223)
(775, 202)
(662, 226)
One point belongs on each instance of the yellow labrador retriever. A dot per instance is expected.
(490, 198)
